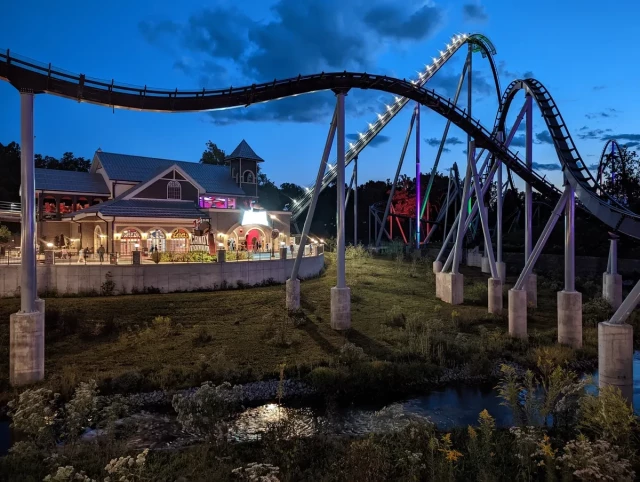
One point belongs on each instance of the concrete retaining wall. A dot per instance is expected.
(76, 279)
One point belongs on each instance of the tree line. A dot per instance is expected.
(623, 183)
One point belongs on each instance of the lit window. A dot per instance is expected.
(174, 191)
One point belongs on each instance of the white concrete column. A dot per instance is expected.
(495, 296)
(518, 313)
(615, 357)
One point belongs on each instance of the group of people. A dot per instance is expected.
(84, 253)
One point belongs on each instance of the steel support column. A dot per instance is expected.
(484, 215)
(546, 232)
(395, 179)
(528, 195)
(314, 198)
(462, 215)
(355, 201)
(417, 110)
(28, 289)
(499, 206)
(569, 241)
(342, 282)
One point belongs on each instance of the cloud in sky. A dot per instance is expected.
(451, 141)
(247, 50)
(599, 87)
(546, 167)
(605, 113)
(474, 12)
(376, 141)
(503, 71)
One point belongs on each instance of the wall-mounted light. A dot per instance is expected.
(49, 245)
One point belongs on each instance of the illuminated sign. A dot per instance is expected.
(254, 217)
(180, 234)
(130, 234)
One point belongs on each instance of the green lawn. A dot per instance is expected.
(246, 334)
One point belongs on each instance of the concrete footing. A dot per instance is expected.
(570, 318)
(439, 284)
(340, 308)
(612, 289)
(437, 266)
(40, 305)
(502, 270)
(292, 288)
(452, 288)
(485, 267)
(615, 357)
(26, 347)
(518, 313)
(531, 287)
(495, 296)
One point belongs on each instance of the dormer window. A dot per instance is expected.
(174, 190)
(248, 177)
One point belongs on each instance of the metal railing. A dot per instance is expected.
(12, 256)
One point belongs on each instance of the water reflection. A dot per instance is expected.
(450, 407)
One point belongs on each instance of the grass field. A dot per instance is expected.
(247, 334)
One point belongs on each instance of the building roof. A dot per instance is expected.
(147, 208)
(123, 167)
(70, 181)
(244, 151)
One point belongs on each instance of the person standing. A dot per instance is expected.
(101, 253)
(80, 255)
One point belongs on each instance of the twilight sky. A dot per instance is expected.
(579, 49)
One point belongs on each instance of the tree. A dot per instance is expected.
(213, 155)
(5, 234)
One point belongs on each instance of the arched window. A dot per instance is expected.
(174, 191)
(248, 177)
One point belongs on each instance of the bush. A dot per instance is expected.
(395, 317)
(202, 337)
(188, 257)
(595, 311)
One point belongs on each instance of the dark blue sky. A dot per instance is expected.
(583, 51)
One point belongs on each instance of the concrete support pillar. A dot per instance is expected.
(452, 288)
(26, 347)
(340, 308)
(283, 253)
(570, 318)
(221, 256)
(502, 270)
(531, 286)
(439, 283)
(293, 294)
(495, 296)
(615, 357)
(40, 305)
(518, 313)
(437, 266)
(612, 289)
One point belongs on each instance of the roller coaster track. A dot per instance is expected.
(587, 189)
(30, 76)
(606, 157)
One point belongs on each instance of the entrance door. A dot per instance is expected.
(253, 236)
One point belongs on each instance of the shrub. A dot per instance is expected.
(395, 317)
(202, 337)
(350, 354)
(595, 311)
(165, 326)
(357, 252)
(108, 287)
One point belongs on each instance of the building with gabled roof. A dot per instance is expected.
(127, 202)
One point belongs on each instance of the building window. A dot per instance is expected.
(180, 240)
(156, 239)
(248, 177)
(174, 191)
